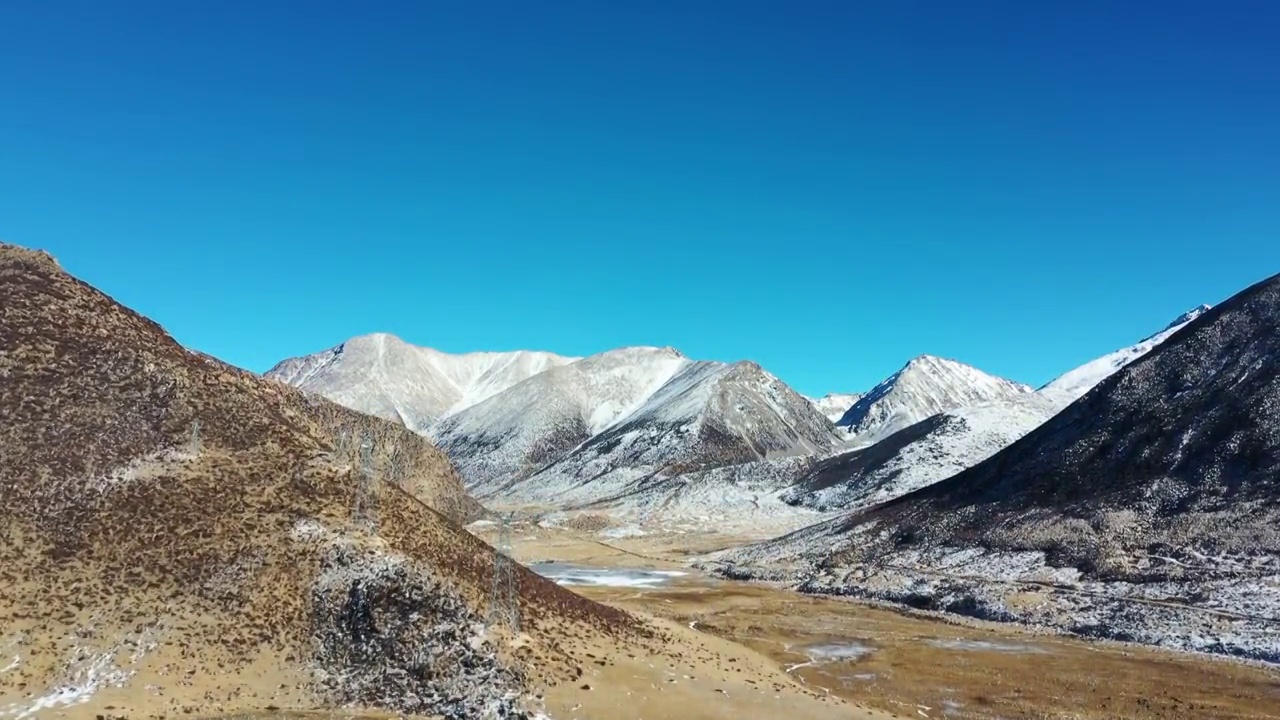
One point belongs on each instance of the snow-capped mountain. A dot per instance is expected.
(588, 431)
(924, 387)
(1069, 386)
(535, 422)
(710, 415)
(835, 405)
(382, 375)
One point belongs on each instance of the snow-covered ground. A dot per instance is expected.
(1233, 609)
(89, 668)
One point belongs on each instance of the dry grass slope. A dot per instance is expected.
(212, 577)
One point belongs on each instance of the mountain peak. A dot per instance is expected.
(925, 386)
(928, 362)
(381, 374)
(1188, 316)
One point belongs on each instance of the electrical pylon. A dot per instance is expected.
(365, 512)
(504, 600)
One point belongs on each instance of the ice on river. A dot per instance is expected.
(986, 646)
(569, 574)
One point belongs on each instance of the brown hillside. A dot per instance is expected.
(154, 566)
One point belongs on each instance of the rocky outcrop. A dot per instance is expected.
(389, 635)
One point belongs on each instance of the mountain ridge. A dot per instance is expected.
(382, 375)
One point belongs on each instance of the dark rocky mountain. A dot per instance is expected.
(1149, 509)
(1184, 438)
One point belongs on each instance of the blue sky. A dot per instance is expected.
(827, 188)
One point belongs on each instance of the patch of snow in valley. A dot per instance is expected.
(837, 651)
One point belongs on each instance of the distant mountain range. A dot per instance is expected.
(629, 429)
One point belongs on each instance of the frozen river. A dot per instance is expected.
(569, 574)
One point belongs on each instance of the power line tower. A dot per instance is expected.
(193, 445)
(504, 600)
(365, 512)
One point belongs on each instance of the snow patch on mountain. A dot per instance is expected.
(835, 405)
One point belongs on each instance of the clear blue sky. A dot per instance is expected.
(827, 188)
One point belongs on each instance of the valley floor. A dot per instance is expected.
(903, 663)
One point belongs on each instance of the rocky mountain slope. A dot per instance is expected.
(924, 387)
(382, 375)
(179, 536)
(1146, 510)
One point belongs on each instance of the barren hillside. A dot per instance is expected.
(177, 534)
